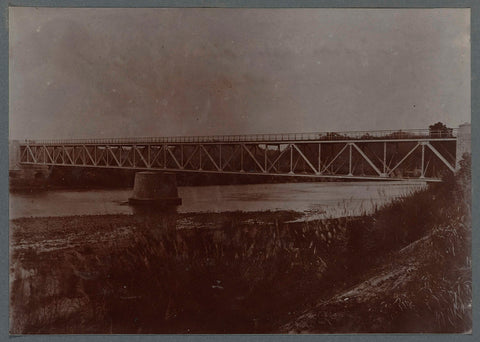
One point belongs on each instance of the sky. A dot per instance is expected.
(99, 73)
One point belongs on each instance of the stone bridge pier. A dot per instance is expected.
(25, 175)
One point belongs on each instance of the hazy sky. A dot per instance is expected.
(159, 72)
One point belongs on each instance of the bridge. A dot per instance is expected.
(372, 155)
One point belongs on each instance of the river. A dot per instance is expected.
(315, 200)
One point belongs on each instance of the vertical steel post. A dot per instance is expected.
(164, 156)
(241, 158)
(120, 155)
(384, 157)
(423, 161)
(350, 159)
(278, 154)
(291, 158)
(320, 158)
(265, 157)
(220, 158)
(200, 156)
(149, 156)
(134, 148)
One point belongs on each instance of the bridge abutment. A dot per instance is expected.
(464, 142)
(155, 188)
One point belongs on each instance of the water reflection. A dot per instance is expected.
(331, 199)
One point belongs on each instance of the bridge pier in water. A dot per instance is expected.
(155, 188)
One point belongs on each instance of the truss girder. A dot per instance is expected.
(344, 159)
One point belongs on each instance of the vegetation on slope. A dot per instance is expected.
(416, 276)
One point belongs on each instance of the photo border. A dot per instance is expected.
(474, 5)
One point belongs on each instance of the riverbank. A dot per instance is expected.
(420, 282)
(168, 272)
(247, 272)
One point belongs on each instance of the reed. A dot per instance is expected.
(411, 262)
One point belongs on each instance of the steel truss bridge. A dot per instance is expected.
(374, 155)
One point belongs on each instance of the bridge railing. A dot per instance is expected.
(317, 136)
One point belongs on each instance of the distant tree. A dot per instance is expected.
(366, 136)
(396, 135)
(333, 135)
(465, 171)
(439, 130)
(439, 126)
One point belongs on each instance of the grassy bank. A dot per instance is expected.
(412, 270)
(166, 273)
(248, 272)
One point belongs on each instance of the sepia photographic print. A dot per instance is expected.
(239, 171)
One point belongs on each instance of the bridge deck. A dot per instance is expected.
(408, 135)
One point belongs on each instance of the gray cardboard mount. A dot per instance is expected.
(474, 5)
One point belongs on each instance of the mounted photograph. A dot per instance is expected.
(239, 171)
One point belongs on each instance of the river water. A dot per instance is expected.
(226, 273)
(315, 200)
